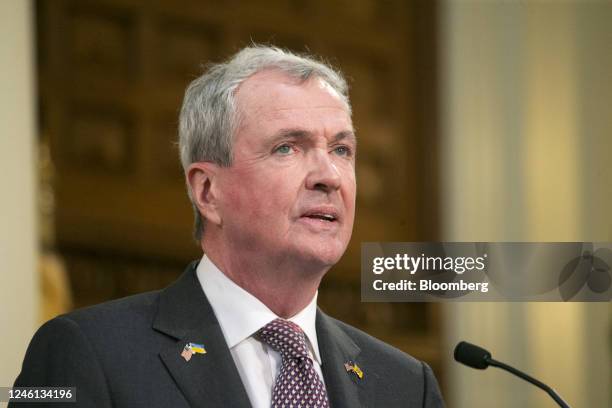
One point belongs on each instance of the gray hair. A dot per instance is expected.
(209, 119)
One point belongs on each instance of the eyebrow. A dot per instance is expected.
(297, 133)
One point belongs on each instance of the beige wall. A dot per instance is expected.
(18, 244)
(526, 153)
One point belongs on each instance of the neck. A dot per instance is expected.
(286, 287)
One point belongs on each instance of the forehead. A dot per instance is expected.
(273, 94)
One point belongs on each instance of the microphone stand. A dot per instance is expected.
(553, 394)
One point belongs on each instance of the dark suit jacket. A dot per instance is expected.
(127, 353)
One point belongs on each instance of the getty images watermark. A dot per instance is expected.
(486, 271)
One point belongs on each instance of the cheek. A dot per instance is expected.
(257, 196)
(350, 190)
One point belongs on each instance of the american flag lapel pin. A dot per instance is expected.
(192, 348)
(351, 366)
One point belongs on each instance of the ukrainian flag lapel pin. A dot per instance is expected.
(192, 348)
(351, 366)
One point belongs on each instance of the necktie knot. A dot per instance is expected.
(285, 337)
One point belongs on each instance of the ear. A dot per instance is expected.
(201, 178)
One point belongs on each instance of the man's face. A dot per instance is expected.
(290, 192)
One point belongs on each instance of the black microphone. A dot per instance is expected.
(477, 357)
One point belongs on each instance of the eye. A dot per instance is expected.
(343, 150)
(283, 149)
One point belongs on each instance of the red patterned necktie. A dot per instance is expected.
(297, 384)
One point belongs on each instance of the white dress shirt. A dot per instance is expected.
(240, 316)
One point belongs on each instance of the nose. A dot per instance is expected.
(323, 175)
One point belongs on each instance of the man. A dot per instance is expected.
(268, 148)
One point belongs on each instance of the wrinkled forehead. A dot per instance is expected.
(276, 89)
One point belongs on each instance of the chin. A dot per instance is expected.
(324, 253)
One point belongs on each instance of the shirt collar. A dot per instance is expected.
(241, 314)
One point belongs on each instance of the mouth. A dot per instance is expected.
(325, 214)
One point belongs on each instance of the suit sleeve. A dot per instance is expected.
(432, 396)
(61, 355)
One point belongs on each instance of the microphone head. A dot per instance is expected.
(472, 355)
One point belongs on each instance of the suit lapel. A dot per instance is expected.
(344, 389)
(206, 380)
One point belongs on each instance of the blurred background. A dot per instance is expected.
(476, 120)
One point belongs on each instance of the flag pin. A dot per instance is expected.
(192, 348)
(350, 366)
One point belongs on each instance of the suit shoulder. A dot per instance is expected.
(132, 311)
(384, 352)
(80, 335)
(138, 303)
(56, 356)
(408, 381)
